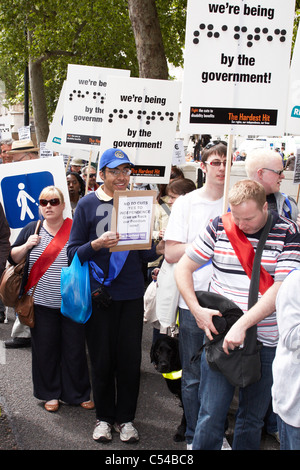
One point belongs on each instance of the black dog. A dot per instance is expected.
(164, 355)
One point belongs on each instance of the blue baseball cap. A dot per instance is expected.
(113, 158)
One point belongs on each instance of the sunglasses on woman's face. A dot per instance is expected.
(53, 202)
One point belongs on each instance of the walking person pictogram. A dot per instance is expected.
(22, 201)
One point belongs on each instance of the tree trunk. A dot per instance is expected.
(148, 39)
(36, 80)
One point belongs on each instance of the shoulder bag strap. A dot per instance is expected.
(36, 230)
(256, 270)
(116, 262)
(164, 206)
(250, 343)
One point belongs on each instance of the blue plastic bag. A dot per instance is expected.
(76, 299)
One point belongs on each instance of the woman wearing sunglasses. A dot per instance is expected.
(59, 364)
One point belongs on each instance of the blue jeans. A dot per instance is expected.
(289, 436)
(190, 341)
(216, 396)
(271, 420)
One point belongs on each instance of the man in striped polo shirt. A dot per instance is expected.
(281, 254)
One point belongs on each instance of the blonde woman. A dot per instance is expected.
(59, 365)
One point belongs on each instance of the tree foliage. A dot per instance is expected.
(89, 32)
(296, 20)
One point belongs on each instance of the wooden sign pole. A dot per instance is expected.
(227, 173)
(68, 163)
(88, 174)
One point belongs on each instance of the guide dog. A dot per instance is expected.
(164, 355)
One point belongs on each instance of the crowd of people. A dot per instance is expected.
(209, 250)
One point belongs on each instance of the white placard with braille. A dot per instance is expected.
(236, 66)
(84, 105)
(140, 118)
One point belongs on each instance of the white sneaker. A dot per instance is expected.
(189, 446)
(102, 432)
(127, 431)
(225, 445)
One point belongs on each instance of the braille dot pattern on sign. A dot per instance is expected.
(80, 94)
(239, 32)
(148, 116)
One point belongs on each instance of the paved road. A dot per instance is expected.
(157, 418)
(25, 425)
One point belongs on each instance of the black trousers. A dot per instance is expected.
(114, 338)
(59, 361)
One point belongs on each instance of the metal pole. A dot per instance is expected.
(26, 97)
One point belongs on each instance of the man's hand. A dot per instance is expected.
(184, 279)
(203, 317)
(234, 338)
(160, 248)
(107, 240)
(262, 309)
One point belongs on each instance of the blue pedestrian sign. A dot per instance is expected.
(21, 196)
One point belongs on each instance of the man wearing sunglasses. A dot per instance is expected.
(114, 330)
(92, 184)
(266, 167)
(191, 213)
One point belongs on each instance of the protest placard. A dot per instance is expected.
(54, 141)
(293, 108)
(21, 184)
(5, 127)
(84, 104)
(24, 133)
(55, 129)
(296, 174)
(44, 151)
(236, 66)
(178, 153)
(140, 118)
(132, 218)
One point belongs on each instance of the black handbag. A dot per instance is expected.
(241, 366)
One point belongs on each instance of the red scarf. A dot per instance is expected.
(245, 252)
(49, 254)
